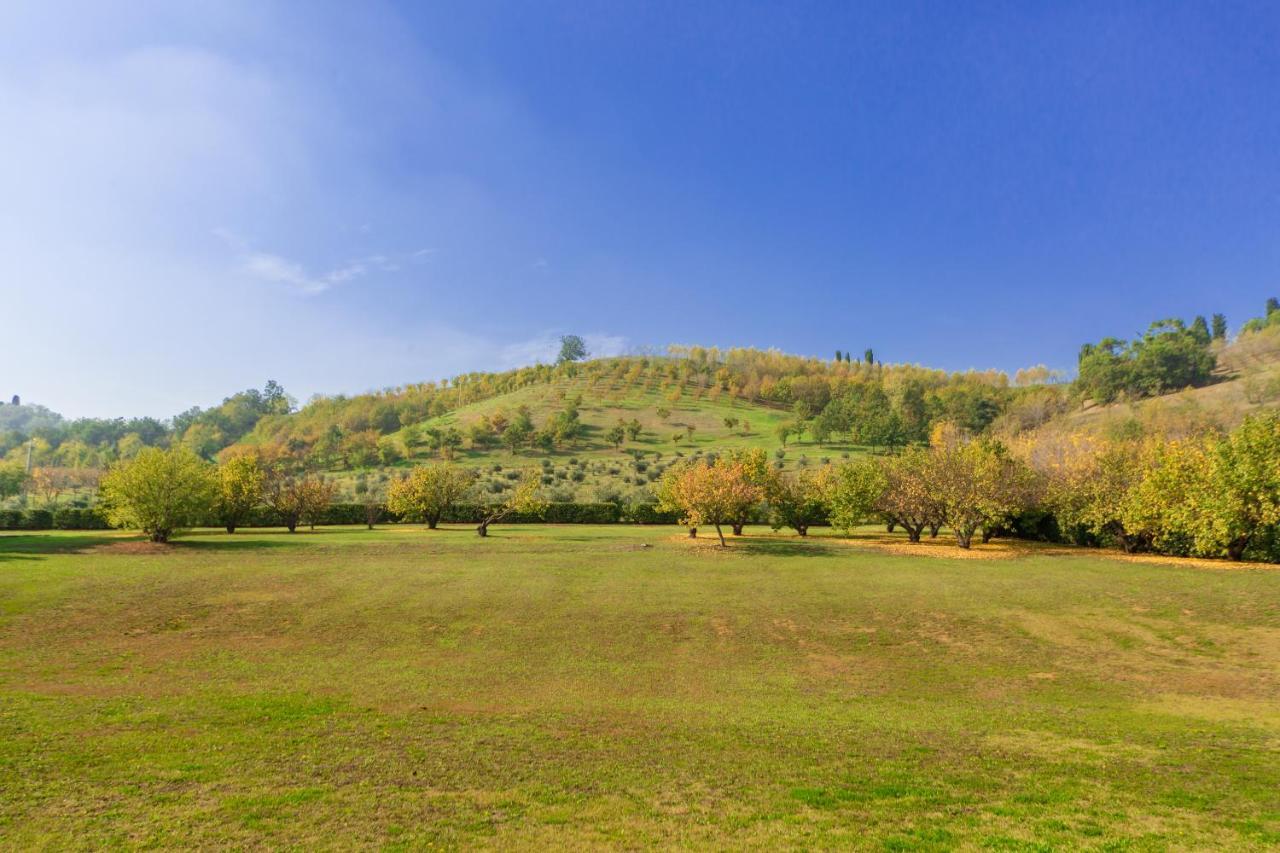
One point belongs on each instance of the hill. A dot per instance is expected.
(606, 428)
(652, 430)
(599, 430)
(1246, 380)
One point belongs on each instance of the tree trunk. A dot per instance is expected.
(1235, 549)
(432, 522)
(933, 530)
(964, 537)
(292, 525)
(913, 532)
(889, 526)
(483, 529)
(737, 528)
(720, 533)
(693, 533)
(231, 527)
(802, 529)
(987, 534)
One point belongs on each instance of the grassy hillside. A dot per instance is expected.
(1248, 375)
(703, 402)
(594, 468)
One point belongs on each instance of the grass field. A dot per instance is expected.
(570, 687)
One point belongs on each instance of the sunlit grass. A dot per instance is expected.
(571, 687)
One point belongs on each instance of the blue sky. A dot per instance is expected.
(195, 197)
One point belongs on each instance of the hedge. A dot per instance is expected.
(87, 518)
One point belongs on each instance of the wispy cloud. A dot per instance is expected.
(274, 268)
(277, 269)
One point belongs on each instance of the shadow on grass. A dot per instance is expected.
(27, 546)
(797, 547)
(246, 544)
(30, 546)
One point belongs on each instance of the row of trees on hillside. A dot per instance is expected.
(1211, 495)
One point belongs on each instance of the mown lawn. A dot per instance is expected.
(569, 687)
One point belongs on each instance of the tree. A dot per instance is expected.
(524, 498)
(373, 508)
(797, 500)
(712, 493)
(869, 356)
(616, 435)
(274, 398)
(518, 433)
(909, 497)
(1219, 327)
(572, 348)
(1168, 357)
(730, 423)
(1215, 495)
(49, 482)
(634, 429)
(429, 491)
(203, 439)
(755, 467)
(784, 431)
(662, 412)
(1200, 331)
(853, 492)
(295, 497)
(360, 449)
(450, 440)
(1273, 307)
(12, 476)
(159, 491)
(240, 481)
(1091, 487)
(839, 356)
(390, 450)
(978, 485)
(1244, 493)
(317, 495)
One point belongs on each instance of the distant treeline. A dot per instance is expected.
(873, 404)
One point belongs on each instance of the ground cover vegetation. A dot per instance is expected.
(571, 687)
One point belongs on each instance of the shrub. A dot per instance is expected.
(159, 491)
(37, 519)
(78, 518)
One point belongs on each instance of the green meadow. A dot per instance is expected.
(625, 687)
